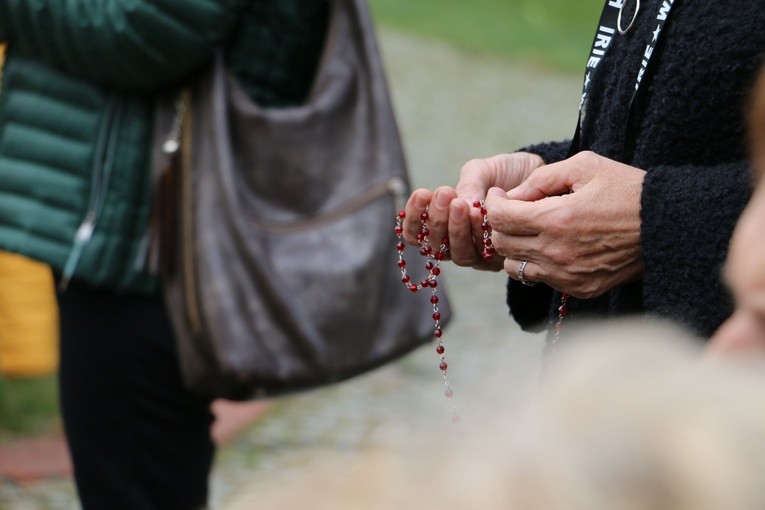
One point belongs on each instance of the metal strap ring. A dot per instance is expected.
(632, 21)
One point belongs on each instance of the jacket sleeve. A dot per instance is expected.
(688, 215)
(530, 306)
(550, 152)
(123, 44)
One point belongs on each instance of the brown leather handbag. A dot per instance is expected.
(282, 274)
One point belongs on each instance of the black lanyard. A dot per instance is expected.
(606, 32)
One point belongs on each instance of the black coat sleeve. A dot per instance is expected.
(688, 215)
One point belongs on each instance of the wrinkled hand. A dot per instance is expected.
(450, 210)
(577, 222)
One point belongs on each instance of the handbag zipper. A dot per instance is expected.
(395, 186)
(102, 168)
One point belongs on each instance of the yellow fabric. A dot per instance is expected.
(28, 318)
(28, 313)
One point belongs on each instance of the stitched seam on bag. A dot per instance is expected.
(373, 193)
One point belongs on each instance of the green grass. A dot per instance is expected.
(28, 406)
(555, 33)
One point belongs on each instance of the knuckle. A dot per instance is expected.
(463, 262)
(588, 288)
(474, 167)
(568, 283)
(589, 291)
(561, 256)
(586, 158)
(499, 241)
(562, 221)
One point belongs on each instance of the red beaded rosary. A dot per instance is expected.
(433, 260)
(562, 313)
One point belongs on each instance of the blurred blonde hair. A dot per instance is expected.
(631, 419)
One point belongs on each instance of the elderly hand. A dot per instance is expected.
(576, 222)
(450, 210)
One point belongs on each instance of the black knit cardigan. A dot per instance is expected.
(690, 137)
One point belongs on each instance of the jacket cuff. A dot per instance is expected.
(529, 306)
(551, 152)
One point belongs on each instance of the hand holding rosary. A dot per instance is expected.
(433, 258)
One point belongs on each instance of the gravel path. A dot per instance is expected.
(452, 106)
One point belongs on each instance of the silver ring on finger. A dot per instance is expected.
(521, 277)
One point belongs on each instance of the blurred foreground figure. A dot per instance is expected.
(744, 332)
(632, 419)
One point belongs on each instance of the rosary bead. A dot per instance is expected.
(433, 257)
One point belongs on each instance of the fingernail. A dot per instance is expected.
(443, 200)
(456, 212)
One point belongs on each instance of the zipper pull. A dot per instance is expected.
(173, 140)
(81, 239)
(85, 231)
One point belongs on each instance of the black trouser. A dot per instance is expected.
(138, 439)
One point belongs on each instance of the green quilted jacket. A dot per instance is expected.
(76, 102)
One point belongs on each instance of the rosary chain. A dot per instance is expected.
(433, 260)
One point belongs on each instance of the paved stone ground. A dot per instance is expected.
(452, 106)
